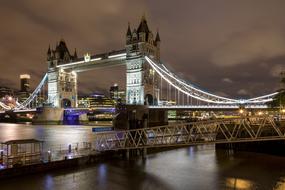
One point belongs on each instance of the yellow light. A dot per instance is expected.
(260, 113)
(237, 183)
(25, 76)
(283, 110)
(241, 111)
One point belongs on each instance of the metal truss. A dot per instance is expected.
(246, 129)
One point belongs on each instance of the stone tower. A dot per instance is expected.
(62, 84)
(142, 83)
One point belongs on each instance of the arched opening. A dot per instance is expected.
(148, 100)
(65, 103)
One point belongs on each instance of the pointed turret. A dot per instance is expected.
(129, 33)
(62, 50)
(49, 53)
(157, 38)
(143, 27)
(75, 54)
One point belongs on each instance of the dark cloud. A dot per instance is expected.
(208, 42)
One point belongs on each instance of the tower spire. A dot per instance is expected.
(143, 27)
(129, 33)
(157, 38)
(75, 54)
(143, 16)
(49, 51)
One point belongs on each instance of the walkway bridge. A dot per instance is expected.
(244, 129)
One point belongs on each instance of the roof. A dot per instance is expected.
(157, 38)
(129, 33)
(143, 27)
(22, 141)
(62, 49)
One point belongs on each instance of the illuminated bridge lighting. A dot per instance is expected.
(211, 101)
(190, 90)
(117, 55)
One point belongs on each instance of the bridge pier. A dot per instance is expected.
(49, 115)
(158, 117)
(139, 116)
(134, 153)
(135, 117)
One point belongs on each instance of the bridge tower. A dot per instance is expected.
(62, 84)
(142, 83)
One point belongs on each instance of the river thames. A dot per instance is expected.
(199, 167)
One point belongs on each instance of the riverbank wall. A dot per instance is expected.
(55, 165)
(275, 147)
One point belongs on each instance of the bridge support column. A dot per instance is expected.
(143, 153)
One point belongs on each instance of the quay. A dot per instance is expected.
(26, 156)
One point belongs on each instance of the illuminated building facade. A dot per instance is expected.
(62, 85)
(95, 101)
(25, 82)
(116, 94)
(100, 100)
(142, 83)
(5, 91)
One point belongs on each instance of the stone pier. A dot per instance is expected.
(49, 115)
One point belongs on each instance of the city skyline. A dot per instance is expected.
(236, 55)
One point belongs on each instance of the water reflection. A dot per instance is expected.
(280, 184)
(239, 184)
(197, 167)
(52, 135)
(48, 182)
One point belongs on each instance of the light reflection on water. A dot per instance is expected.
(239, 184)
(51, 134)
(198, 167)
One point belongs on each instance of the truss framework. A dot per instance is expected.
(244, 129)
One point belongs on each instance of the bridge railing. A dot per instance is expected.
(244, 129)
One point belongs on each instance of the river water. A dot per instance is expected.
(197, 168)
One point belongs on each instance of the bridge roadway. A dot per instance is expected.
(164, 107)
(244, 129)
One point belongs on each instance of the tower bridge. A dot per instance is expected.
(148, 80)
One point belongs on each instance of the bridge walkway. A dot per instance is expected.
(245, 129)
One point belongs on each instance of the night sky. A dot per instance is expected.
(232, 48)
